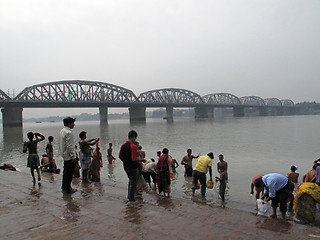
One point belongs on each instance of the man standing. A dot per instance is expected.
(199, 173)
(279, 187)
(68, 152)
(187, 162)
(129, 156)
(33, 158)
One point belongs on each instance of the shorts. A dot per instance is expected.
(33, 160)
(85, 160)
(188, 172)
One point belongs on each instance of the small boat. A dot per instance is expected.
(38, 122)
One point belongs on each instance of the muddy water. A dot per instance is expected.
(250, 145)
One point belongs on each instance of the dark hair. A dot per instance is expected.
(315, 166)
(158, 153)
(210, 154)
(132, 134)
(165, 151)
(140, 147)
(258, 183)
(189, 149)
(110, 144)
(152, 159)
(68, 120)
(30, 135)
(220, 155)
(293, 168)
(50, 138)
(82, 134)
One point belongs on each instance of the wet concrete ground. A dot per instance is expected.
(100, 211)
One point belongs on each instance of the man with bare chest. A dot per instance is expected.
(187, 162)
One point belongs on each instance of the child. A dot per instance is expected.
(110, 157)
(33, 158)
(223, 184)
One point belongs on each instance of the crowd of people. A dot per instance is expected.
(280, 189)
(142, 172)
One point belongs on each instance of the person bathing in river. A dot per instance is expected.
(49, 150)
(293, 176)
(85, 154)
(222, 166)
(96, 164)
(310, 176)
(175, 164)
(110, 157)
(164, 173)
(33, 158)
(187, 162)
(203, 165)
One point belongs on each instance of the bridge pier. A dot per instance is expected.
(12, 117)
(262, 111)
(103, 112)
(169, 111)
(137, 114)
(279, 111)
(210, 112)
(201, 112)
(238, 111)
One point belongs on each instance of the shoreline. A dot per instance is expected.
(100, 211)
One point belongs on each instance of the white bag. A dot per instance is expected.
(264, 208)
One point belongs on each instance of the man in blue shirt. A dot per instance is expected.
(278, 187)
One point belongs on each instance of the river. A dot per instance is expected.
(250, 145)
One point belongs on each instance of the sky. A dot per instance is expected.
(265, 48)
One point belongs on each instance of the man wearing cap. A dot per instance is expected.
(68, 154)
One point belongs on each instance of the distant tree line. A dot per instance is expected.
(308, 108)
(304, 108)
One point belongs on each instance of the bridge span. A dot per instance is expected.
(83, 94)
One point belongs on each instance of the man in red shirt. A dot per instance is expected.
(130, 157)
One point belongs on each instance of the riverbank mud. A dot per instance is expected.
(100, 211)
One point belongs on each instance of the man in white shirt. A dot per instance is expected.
(278, 187)
(68, 154)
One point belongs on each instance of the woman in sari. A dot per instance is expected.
(164, 173)
(96, 164)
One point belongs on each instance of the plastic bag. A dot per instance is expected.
(264, 208)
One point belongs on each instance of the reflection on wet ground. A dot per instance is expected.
(71, 210)
(36, 190)
(100, 211)
(275, 225)
(132, 212)
(165, 202)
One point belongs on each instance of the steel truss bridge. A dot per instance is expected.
(79, 93)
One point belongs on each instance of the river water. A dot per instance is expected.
(251, 145)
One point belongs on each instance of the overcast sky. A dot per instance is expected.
(265, 48)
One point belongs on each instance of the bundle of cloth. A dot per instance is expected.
(8, 166)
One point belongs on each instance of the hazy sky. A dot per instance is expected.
(265, 48)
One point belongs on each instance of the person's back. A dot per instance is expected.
(126, 156)
(32, 147)
(203, 163)
(293, 177)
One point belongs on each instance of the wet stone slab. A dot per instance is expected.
(100, 211)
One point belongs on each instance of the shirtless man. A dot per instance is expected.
(187, 162)
(222, 166)
(33, 158)
(293, 176)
